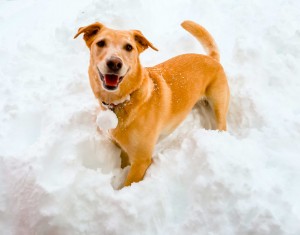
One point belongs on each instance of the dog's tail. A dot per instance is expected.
(204, 37)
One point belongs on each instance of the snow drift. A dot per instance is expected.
(58, 173)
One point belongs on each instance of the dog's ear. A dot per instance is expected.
(142, 42)
(90, 32)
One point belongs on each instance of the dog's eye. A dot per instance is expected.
(128, 47)
(101, 43)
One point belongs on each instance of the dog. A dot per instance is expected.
(152, 102)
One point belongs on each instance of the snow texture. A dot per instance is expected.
(58, 173)
(106, 120)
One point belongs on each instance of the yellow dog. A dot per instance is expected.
(151, 102)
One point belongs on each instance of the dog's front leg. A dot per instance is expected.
(140, 162)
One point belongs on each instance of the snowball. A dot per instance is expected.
(107, 120)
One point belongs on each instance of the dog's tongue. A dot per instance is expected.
(111, 79)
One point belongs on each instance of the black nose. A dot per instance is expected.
(114, 64)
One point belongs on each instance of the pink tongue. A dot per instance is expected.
(111, 79)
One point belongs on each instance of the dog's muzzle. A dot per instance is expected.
(110, 81)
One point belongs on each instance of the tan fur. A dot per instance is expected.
(161, 96)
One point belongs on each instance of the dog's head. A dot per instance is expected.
(114, 54)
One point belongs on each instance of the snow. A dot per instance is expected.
(107, 120)
(59, 173)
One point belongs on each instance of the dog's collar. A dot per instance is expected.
(108, 106)
(114, 104)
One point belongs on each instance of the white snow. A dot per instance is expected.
(107, 120)
(58, 173)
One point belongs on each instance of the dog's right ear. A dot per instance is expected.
(90, 32)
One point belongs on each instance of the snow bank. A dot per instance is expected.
(58, 172)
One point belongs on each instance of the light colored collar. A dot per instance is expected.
(112, 105)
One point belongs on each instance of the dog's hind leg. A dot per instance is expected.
(206, 114)
(220, 115)
(218, 97)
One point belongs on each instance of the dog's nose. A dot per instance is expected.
(114, 63)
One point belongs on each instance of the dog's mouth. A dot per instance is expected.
(110, 81)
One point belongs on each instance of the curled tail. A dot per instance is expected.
(204, 37)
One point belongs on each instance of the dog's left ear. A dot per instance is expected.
(90, 32)
(142, 41)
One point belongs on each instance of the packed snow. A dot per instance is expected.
(107, 120)
(59, 174)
